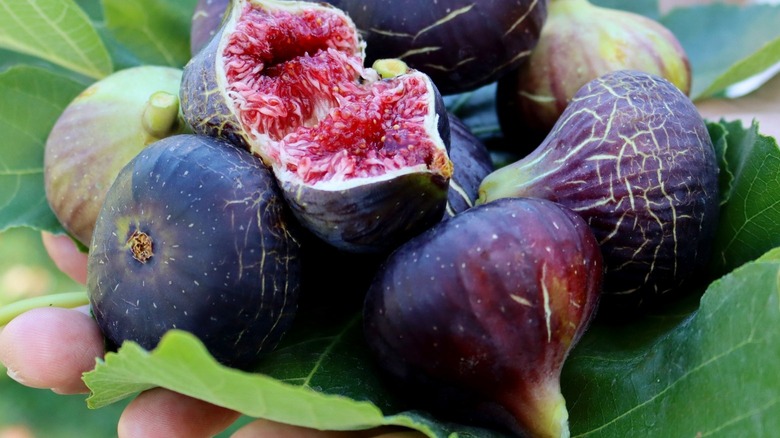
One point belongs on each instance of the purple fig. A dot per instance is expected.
(359, 153)
(104, 127)
(462, 45)
(633, 156)
(482, 310)
(581, 42)
(194, 235)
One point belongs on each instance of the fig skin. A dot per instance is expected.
(461, 45)
(472, 163)
(194, 235)
(366, 214)
(633, 156)
(581, 42)
(99, 132)
(477, 315)
(206, 20)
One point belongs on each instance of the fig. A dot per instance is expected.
(471, 162)
(104, 127)
(581, 42)
(482, 310)
(633, 156)
(194, 235)
(461, 45)
(361, 154)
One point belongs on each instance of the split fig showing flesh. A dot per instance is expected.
(194, 235)
(633, 156)
(581, 42)
(361, 154)
(478, 314)
(461, 44)
(99, 132)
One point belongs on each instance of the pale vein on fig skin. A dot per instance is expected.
(522, 18)
(546, 296)
(433, 25)
(454, 186)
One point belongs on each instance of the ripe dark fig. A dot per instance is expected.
(471, 161)
(194, 235)
(462, 45)
(632, 155)
(580, 42)
(99, 132)
(360, 153)
(481, 311)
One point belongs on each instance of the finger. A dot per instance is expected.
(271, 429)
(160, 412)
(66, 255)
(51, 348)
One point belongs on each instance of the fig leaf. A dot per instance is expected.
(325, 381)
(725, 43)
(33, 99)
(750, 217)
(663, 382)
(155, 32)
(58, 31)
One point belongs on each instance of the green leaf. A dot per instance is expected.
(750, 217)
(55, 30)
(156, 32)
(324, 381)
(713, 373)
(33, 99)
(725, 43)
(718, 135)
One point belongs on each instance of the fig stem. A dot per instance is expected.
(390, 68)
(161, 114)
(544, 415)
(67, 299)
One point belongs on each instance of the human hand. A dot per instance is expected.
(52, 347)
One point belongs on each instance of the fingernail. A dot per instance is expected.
(14, 375)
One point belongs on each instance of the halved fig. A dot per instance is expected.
(194, 235)
(429, 36)
(360, 153)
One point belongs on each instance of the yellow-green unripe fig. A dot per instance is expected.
(581, 42)
(99, 132)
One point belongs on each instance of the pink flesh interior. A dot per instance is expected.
(296, 79)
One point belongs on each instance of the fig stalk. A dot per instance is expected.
(390, 68)
(161, 114)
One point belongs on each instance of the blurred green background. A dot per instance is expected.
(27, 271)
